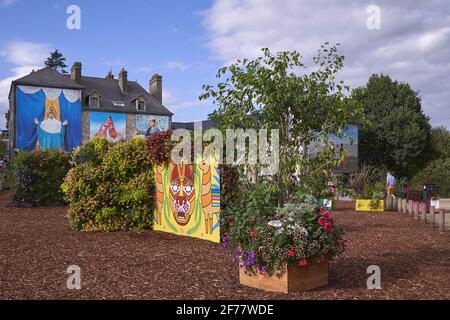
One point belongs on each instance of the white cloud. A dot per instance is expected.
(171, 101)
(7, 3)
(413, 44)
(177, 65)
(24, 56)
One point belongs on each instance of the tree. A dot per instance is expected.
(440, 143)
(56, 61)
(436, 172)
(275, 92)
(3, 148)
(397, 134)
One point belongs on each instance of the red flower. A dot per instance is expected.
(328, 226)
(303, 262)
(325, 212)
(291, 252)
(252, 233)
(322, 221)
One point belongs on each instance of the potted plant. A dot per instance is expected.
(368, 193)
(283, 250)
(372, 198)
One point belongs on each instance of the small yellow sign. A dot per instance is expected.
(369, 205)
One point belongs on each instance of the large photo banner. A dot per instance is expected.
(47, 118)
(348, 142)
(147, 125)
(188, 200)
(110, 125)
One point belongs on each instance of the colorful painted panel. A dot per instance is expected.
(47, 118)
(149, 124)
(188, 200)
(111, 125)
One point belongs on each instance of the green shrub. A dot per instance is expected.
(437, 172)
(374, 191)
(113, 190)
(35, 178)
(92, 151)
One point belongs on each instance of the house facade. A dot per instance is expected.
(50, 110)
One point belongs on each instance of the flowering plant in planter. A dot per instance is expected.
(298, 233)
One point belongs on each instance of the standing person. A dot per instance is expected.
(390, 184)
(153, 128)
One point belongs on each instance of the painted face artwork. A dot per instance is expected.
(182, 192)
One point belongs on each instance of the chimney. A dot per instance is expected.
(155, 87)
(110, 75)
(123, 79)
(75, 75)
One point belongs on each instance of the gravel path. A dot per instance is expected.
(37, 246)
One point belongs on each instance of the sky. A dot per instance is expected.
(188, 41)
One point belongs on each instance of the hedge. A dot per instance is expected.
(35, 178)
(110, 187)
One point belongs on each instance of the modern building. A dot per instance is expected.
(48, 109)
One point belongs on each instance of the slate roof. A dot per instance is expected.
(48, 77)
(108, 89)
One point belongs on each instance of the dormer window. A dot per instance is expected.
(94, 101)
(140, 105)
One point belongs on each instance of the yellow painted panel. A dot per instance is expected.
(369, 205)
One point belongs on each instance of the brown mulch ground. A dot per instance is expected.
(37, 246)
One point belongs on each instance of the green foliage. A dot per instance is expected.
(3, 148)
(437, 172)
(35, 178)
(275, 92)
(365, 176)
(112, 191)
(398, 132)
(56, 61)
(367, 183)
(316, 185)
(374, 191)
(92, 151)
(440, 143)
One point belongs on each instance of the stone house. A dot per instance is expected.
(79, 98)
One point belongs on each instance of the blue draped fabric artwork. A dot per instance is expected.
(31, 107)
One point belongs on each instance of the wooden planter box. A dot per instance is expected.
(365, 205)
(294, 279)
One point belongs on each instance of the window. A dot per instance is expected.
(93, 102)
(141, 105)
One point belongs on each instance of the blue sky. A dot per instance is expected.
(143, 36)
(187, 41)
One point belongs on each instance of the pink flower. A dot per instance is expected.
(322, 221)
(291, 252)
(303, 262)
(252, 234)
(328, 226)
